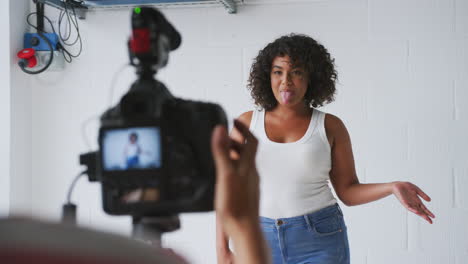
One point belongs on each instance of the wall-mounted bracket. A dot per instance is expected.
(81, 7)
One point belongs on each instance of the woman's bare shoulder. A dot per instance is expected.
(335, 128)
(246, 118)
(332, 121)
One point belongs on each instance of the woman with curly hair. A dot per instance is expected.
(300, 149)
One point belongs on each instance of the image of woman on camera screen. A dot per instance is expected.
(132, 152)
(137, 157)
(300, 150)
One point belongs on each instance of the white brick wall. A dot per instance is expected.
(5, 115)
(403, 94)
(20, 100)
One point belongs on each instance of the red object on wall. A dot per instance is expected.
(29, 56)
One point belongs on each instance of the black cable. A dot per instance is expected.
(69, 209)
(75, 23)
(63, 40)
(35, 27)
(65, 51)
(70, 20)
(60, 27)
(72, 185)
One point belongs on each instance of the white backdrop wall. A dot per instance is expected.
(20, 154)
(5, 111)
(402, 93)
(15, 113)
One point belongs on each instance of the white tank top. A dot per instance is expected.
(132, 150)
(293, 176)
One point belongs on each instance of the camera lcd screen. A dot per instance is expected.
(131, 148)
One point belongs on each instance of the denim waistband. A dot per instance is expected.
(312, 217)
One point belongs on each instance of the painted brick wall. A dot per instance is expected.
(5, 114)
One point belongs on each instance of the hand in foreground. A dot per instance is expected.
(237, 196)
(237, 190)
(408, 195)
(227, 258)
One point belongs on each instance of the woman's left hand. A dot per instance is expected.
(408, 195)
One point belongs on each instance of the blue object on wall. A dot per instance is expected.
(33, 40)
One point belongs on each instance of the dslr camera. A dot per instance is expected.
(154, 156)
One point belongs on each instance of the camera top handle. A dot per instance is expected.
(153, 37)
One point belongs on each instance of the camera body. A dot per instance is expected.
(154, 155)
(178, 175)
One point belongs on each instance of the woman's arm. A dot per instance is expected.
(346, 184)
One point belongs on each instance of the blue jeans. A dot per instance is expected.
(132, 162)
(320, 237)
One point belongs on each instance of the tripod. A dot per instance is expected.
(150, 228)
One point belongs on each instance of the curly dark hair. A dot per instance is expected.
(305, 52)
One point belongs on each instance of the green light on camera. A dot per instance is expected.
(137, 10)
